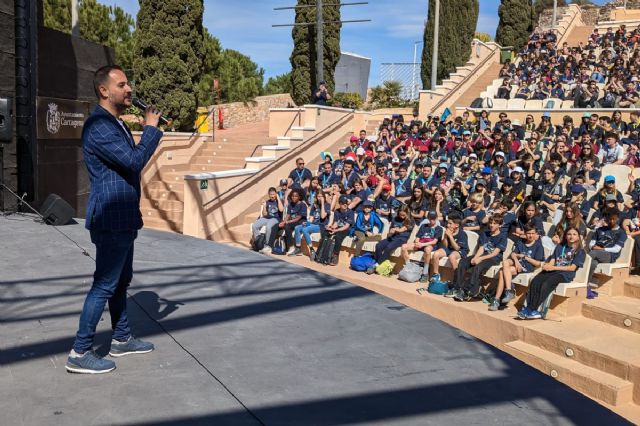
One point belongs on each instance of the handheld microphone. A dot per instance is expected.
(138, 103)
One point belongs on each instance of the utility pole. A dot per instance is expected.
(319, 24)
(555, 14)
(319, 42)
(436, 36)
(413, 77)
(75, 18)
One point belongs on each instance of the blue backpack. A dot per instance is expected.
(362, 263)
(279, 247)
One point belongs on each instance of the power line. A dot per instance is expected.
(319, 24)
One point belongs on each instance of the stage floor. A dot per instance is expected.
(244, 339)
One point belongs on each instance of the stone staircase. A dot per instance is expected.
(480, 84)
(162, 202)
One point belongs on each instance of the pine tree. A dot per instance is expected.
(515, 23)
(303, 57)
(168, 60)
(458, 19)
(57, 15)
(278, 84)
(240, 78)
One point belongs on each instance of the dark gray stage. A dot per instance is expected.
(243, 339)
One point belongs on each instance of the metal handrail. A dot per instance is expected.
(464, 80)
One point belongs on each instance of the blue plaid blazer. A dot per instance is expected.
(114, 163)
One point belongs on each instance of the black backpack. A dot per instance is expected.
(325, 249)
(258, 243)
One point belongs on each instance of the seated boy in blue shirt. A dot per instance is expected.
(339, 228)
(428, 236)
(454, 245)
(527, 255)
(606, 243)
(491, 246)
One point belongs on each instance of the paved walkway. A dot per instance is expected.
(246, 339)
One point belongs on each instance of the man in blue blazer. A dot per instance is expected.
(113, 218)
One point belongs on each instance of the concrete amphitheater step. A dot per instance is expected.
(591, 382)
(620, 311)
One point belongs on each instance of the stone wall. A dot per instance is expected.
(239, 113)
(590, 14)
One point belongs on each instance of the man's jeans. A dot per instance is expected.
(114, 270)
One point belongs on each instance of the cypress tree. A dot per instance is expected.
(458, 19)
(57, 15)
(168, 60)
(515, 23)
(303, 57)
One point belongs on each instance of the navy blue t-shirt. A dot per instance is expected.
(397, 223)
(297, 210)
(536, 221)
(327, 180)
(426, 233)
(480, 214)
(383, 204)
(606, 237)
(315, 213)
(462, 240)
(299, 176)
(362, 195)
(565, 256)
(491, 242)
(272, 210)
(403, 187)
(341, 218)
(534, 251)
(508, 220)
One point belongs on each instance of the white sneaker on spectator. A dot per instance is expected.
(291, 250)
(266, 250)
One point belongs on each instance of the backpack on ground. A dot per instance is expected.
(279, 246)
(362, 263)
(258, 242)
(385, 268)
(411, 272)
(438, 287)
(325, 250)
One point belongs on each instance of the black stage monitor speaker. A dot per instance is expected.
(56, 211)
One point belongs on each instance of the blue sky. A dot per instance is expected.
(245, 25)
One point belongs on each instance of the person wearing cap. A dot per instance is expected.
(598, 218)
(499, 167)
(338, 228)
(368, 226)
(403, 185)
(270, 216)
(519, 185)
(491, 183)
(383, 204)
(491, 246)
(578, 196)
(440, 179)
(428, 237)
(609, 189)
(339, 162)
(300, 177)
(321, 96)
(284, 189)
(611, 152)
(353, 145)
(606, 243)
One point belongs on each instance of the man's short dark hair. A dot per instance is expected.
(101, 76)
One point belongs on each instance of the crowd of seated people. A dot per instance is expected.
(602, 72)
(539, 197)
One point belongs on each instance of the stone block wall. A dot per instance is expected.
(239, 113)
(8, 155)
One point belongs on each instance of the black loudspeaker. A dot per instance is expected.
(56, 211)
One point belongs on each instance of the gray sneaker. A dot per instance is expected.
(131, 346)
(88, 363)
(424, 278)
(508, 296)
(494, 305)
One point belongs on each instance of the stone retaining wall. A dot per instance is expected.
(239, 113)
